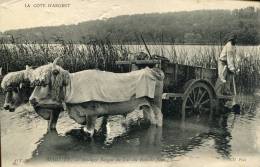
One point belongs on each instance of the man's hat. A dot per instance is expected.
(231, 36)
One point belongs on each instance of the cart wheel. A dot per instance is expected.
(197, 102)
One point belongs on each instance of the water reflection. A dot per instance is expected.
(222, 137)
(143, 145)
(182, 139)
(150, 143)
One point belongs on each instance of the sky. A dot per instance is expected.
(14, 14)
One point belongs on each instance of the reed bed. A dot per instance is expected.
(103, 54)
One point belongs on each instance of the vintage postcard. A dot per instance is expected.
(130, 83)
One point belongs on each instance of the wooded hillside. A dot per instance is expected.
(202, 26)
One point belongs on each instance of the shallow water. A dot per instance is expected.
(229, 140)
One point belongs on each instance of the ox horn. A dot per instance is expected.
(55, 62)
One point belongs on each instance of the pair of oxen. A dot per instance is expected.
(45, 89)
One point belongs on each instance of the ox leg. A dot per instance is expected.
(45, 115)
(158, 115)
(157, 104)
(149, 114)
(158, 94)
(90, 125)
(54, 115)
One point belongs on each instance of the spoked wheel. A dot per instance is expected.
(197, 102)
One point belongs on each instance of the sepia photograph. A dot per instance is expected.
(140, 83)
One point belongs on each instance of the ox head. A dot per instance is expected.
(17, 88)
(50, 82)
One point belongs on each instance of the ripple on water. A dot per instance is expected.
(228, 136)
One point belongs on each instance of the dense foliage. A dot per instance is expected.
(202, 26)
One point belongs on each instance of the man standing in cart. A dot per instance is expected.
(226, 66)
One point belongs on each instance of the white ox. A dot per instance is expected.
(18, 90)
(89, 94)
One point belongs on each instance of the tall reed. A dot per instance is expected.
(103, 54)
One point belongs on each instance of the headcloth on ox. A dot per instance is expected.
(53, 76)
(15, 79)
(17, 88)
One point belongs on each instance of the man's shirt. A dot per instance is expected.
(228, 54)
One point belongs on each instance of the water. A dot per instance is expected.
(189, 50)
(229, 140)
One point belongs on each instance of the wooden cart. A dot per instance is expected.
(192, 85)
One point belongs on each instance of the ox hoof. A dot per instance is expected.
(159, 125)
(145, 123)
(88, 133)
(87, 138)
(52, 130)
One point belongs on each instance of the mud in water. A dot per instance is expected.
(230, 139)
